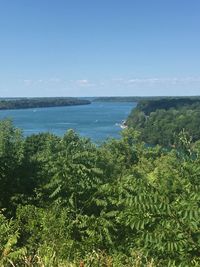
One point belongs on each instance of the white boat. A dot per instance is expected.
(123, 125)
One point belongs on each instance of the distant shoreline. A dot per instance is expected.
(28, 103)
(111, 99)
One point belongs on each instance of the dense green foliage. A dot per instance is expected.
(148, 106)
(41, 102)
(67, 202)
(160, 121)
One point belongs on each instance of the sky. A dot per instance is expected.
(99, 47)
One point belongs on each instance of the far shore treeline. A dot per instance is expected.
(65, 201)
(140, 98)
(160, 120)
(24, 103)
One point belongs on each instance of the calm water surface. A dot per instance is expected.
(98, 121)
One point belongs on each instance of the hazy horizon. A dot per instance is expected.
(102, 96)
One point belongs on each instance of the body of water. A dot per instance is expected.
(98, 121)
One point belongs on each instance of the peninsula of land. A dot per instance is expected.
(25, 103)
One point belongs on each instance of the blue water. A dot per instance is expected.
(98, 121)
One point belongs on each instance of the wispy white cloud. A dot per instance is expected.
(153, 80)
(83, 83)
(31, 82)
(55, 80)
(116, 86)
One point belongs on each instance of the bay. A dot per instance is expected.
(97, 121)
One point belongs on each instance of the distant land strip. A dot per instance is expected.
(25, 103)
(138, 98)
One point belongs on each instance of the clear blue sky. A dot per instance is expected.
(99, 47)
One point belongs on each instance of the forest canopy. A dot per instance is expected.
(160, 121)
(66, 202)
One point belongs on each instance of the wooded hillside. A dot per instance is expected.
(161, 121)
